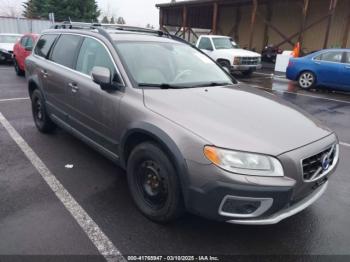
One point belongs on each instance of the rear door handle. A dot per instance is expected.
(74, 87)
(44, 72)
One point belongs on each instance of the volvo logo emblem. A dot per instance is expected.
(325, 161)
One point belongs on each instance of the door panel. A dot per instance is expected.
(94, 112)
(328, 67)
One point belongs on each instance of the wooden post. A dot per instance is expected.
(346, 33)
(184, 21)
(252, 23)
(268, 19)
(215, 18)
(303, 22)
(161, 19)
(332, 6)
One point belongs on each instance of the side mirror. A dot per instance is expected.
(102, 77)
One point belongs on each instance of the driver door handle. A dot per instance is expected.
(74, 87)
(44, 72)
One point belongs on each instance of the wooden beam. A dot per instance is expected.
(303, 22)
(286, 38)
(332, 6)
(215, 17)
(252, 23)
(346, 32)
(184, 21)
(235, 28)
(305, 29)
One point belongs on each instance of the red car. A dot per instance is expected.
(22, 50)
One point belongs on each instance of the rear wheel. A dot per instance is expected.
(41, 118)
(18, 70)
(307, 80)
(154, 184)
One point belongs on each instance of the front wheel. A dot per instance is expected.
(307, 80)
(154, 183)
(41, 117)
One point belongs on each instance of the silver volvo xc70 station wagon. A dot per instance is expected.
(190, 137)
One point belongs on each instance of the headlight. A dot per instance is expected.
(237, 61)
(244, 163)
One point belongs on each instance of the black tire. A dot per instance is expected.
(247, 73)
(307, 80)
(41, 118)
(154, 184)
(19, 71)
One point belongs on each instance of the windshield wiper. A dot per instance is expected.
(162, 86)
(214, 84)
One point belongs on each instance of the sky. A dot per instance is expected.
(134, 12)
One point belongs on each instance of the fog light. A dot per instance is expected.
(234, 206)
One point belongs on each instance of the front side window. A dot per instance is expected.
(44, 45)
(65, 50)
(222, 43)
(205, 44)
(335, 57)
(347, 57)
(158, 63)
(93, 53)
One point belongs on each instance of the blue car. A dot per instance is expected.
(329, 67)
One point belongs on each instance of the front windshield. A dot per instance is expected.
(8, 39)
(167, 63)
(222, 43)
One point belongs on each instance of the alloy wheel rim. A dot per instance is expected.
(38, 110)
(151, 184)
(306, 80)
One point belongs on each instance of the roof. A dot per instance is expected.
(202, 2)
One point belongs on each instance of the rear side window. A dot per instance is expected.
(335, 57)
(347, 57)
(205, 44)
(66, 49)
(24, 40)
(44, 45)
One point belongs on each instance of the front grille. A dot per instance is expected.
(249, 60)
(317, 165)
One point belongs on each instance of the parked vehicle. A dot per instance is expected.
(269, 53)
(23, 48)
(7, 42)
(329, 67)
(189, 136)
(228, 55)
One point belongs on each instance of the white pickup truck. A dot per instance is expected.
(228, 54)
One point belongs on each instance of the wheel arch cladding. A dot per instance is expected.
(141, 132)
(33, 84)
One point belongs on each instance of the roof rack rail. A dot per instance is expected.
(101, 28)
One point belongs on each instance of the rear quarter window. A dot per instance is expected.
(44, 45)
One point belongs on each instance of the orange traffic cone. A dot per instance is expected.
(296, 50)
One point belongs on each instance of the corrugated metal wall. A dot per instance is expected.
(21, 26)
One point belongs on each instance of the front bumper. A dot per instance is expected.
(287, 212)
(246, 67)
(5, 56)
(257, 200)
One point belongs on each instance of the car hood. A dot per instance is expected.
(237, 53)
(6, 46)
(237, 117)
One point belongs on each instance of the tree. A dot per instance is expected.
(105, 20)
(120, 20)
(76, 10)
(112, 20)
(35, 9)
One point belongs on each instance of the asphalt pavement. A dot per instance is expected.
(34, 220)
